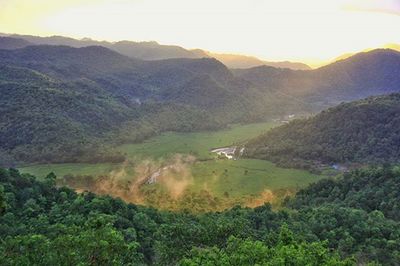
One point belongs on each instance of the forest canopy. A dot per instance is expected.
(365, 131)
(44, 224)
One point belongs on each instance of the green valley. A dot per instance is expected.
(184, 164)
(140, 153)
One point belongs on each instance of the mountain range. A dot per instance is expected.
(152, 51)
(362, 75)
(59, 100)
(60, 103)
(64, 100)
(244, 61)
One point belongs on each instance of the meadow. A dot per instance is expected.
(198, 144)
(244, 181)
(160, 147)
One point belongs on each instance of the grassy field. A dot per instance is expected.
(163, 146)
(198, 144)
(60, 170)
(246, 177)
(223, 178)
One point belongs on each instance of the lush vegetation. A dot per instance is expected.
(365, 131)
(87, 105)
(42, 224)
(205, 180)
(198, 144)
(75, 104)
(366, 189)
(160, 147)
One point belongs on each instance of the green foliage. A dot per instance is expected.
(365, 131)
(212, 184)
(2, 200)
(371, 189)
(94, 244)
(45, 225)
(248, 252)
(74, 105)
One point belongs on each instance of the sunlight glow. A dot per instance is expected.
(312, 31)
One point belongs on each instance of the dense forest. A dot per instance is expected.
(66, 105)
(42, 119)
(370, 190)
(74, 104)
(365, 131)
(42, 224)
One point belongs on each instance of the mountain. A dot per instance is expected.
(362, 75)
(119, 74)
(140, 50)
(155, 51)
(288, 64)
(9, 43)
(72, 101)
(126, 99)
(46, 119)
(364, 131)
(243, 61)
(393, 46)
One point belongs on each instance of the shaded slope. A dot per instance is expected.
(361, 131)
(10, 43)
(365, 74)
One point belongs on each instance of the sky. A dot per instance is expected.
(310, 31)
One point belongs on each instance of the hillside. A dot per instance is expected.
(365, 131)
(140, 50)
(9, 43)
(113, 71)
(39, 112)
(45, 224)
(362, 75)
(243, 61)
(92, 95)
(155, 51)
(68, 99)
(393, 46)
(375, 189)
(119, 94)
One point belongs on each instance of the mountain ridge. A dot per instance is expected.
(193, 93)
(151, 50)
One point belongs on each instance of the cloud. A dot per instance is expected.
(391, 7)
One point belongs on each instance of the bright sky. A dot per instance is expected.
(311, 31)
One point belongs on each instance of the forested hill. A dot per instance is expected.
(366, 131)
(13, 43)
(59, 103)
(142, 50)
(365, 74)
(150, 50)
(72, 99)
(41, 224)
(368, 189)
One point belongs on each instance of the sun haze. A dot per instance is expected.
(311, 31)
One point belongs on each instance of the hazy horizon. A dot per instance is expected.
(309, 31)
